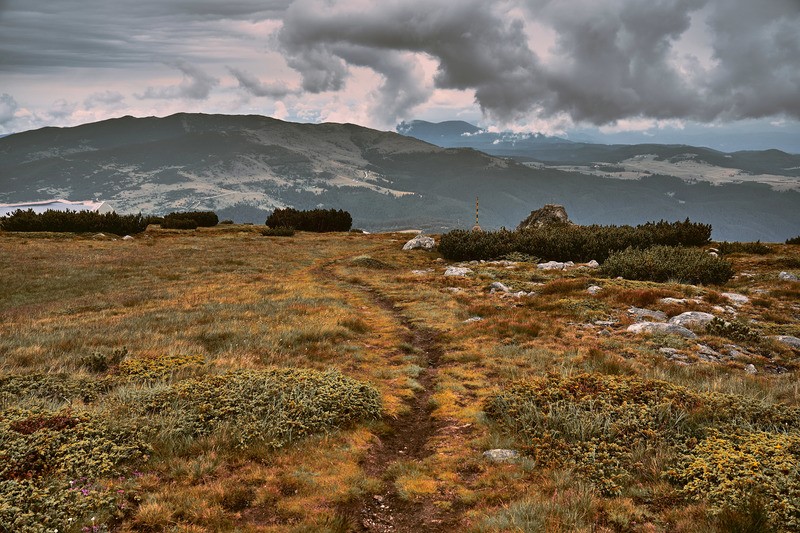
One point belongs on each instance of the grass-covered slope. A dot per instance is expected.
(221, 379)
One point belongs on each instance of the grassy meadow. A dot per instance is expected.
(222, 380)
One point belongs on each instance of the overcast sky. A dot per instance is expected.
(527, 65)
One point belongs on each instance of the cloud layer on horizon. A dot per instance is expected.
(519, 63)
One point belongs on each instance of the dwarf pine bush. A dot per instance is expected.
(190, 220)
(73, 221)
(566, 242)
(317, 220)
(668, 263)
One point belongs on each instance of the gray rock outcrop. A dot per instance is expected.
(549, 215)
(692, 318)
(500, 455)
(420, 242)
(789, 340)
(460, 272)
(788, 276)
(642, 314)
(661, 327)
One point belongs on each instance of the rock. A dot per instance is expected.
(788, 276)
(661, 327)
(675, 301)
(499, 287)
(421, 272)
(420, 242)
(473, 319)
(455, 290)
(750, 369)
(593, 264)
(127, 238)
(549, 215)
(674, 355)
(642, 314)
(789, 340)
(605, 323)
(737, 299)
(551, 265)
(594, 289)
(457, 271)
(692, 318)
(500, 455)
(708, 352)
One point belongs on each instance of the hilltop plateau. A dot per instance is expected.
(222, 380)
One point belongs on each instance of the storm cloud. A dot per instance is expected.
(611, 59)
(597, 62)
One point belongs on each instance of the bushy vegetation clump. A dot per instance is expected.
(719, 447)
(755, 248)
(280, 231)
(272, 407)
(73, 222)
(190, 220)
(60, 467)
(735, 331)
(317, 220)
(565, 242)
(69, 468)
(668, 263)
(793, 240)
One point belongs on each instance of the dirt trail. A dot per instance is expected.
(406, 440)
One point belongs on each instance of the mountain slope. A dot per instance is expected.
(245, 166)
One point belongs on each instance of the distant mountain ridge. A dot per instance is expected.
(243, 167)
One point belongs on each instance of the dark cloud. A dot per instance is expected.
(757, 48)
(612, 59)
(475, 48)
(38, 34)
(196, 84)
(8, 108)
(256, 87)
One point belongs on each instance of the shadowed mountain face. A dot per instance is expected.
(245, 166)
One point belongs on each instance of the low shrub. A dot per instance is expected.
(101, 361)
(59, 468)
(151, 368)
(668, 263)
(566, 242)
(755, 248)
(793, 240)
(719, 447)
(190, 220)
(73, 221)
(281, 231)
(735, 331)
(51, 387)
(272, 407)
(317, 220)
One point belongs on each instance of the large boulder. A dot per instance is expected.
(661, 327)
(692, 318)
(549, 215)
(420, 242)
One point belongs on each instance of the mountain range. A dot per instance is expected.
(424, 176)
